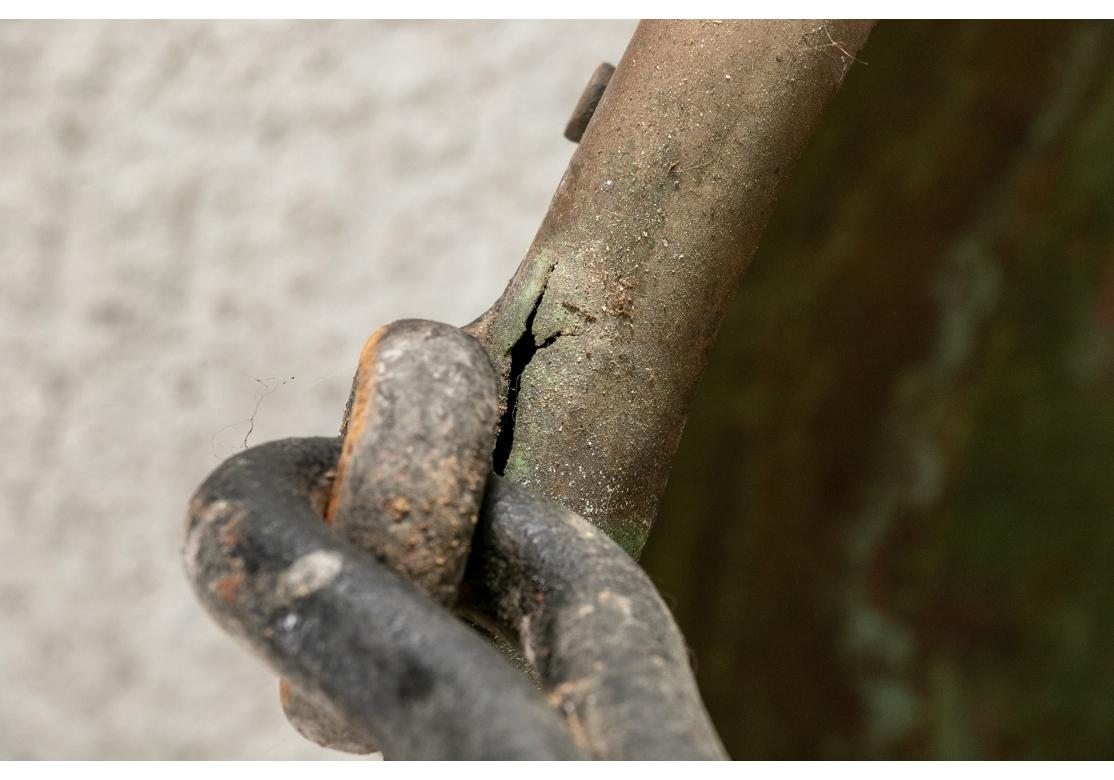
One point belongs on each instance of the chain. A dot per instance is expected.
(358, 569)
(415, 601)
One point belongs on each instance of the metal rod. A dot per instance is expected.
(603, 333)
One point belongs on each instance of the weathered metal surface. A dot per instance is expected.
(417, 450)
(602, 334)
(344, 628)
(597, 638)
(604, 645)
(589, 100)
(397, 667)
(316, 719)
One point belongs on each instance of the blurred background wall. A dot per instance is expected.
(889, 529)
(198, 222)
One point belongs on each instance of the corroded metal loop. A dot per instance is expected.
(354, 612)
(392, 664)
(416, 452)
(417, 449)
(602, 642)
(346, 630)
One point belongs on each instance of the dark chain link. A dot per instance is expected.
(357, 612)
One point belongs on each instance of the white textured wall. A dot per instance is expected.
(190, 213)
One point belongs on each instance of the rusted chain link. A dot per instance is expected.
(409, 481)
(345, 629)
(377, 661)
(605, 647)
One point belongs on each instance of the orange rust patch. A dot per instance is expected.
(322, 491)
(228, 587)
(399, 508)
(228, 536)
(357, 419)
(285, 690)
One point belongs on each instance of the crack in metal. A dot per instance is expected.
(521, 353)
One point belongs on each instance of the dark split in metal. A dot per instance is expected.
(645, 240)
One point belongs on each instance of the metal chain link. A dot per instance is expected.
(357, 611)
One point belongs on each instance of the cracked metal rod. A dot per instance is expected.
(621, 294)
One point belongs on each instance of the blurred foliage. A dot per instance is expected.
(890, 528)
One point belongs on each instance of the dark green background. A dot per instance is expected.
(890, 528)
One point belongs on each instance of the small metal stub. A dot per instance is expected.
(589, 99)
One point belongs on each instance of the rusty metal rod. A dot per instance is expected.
(602, 335)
